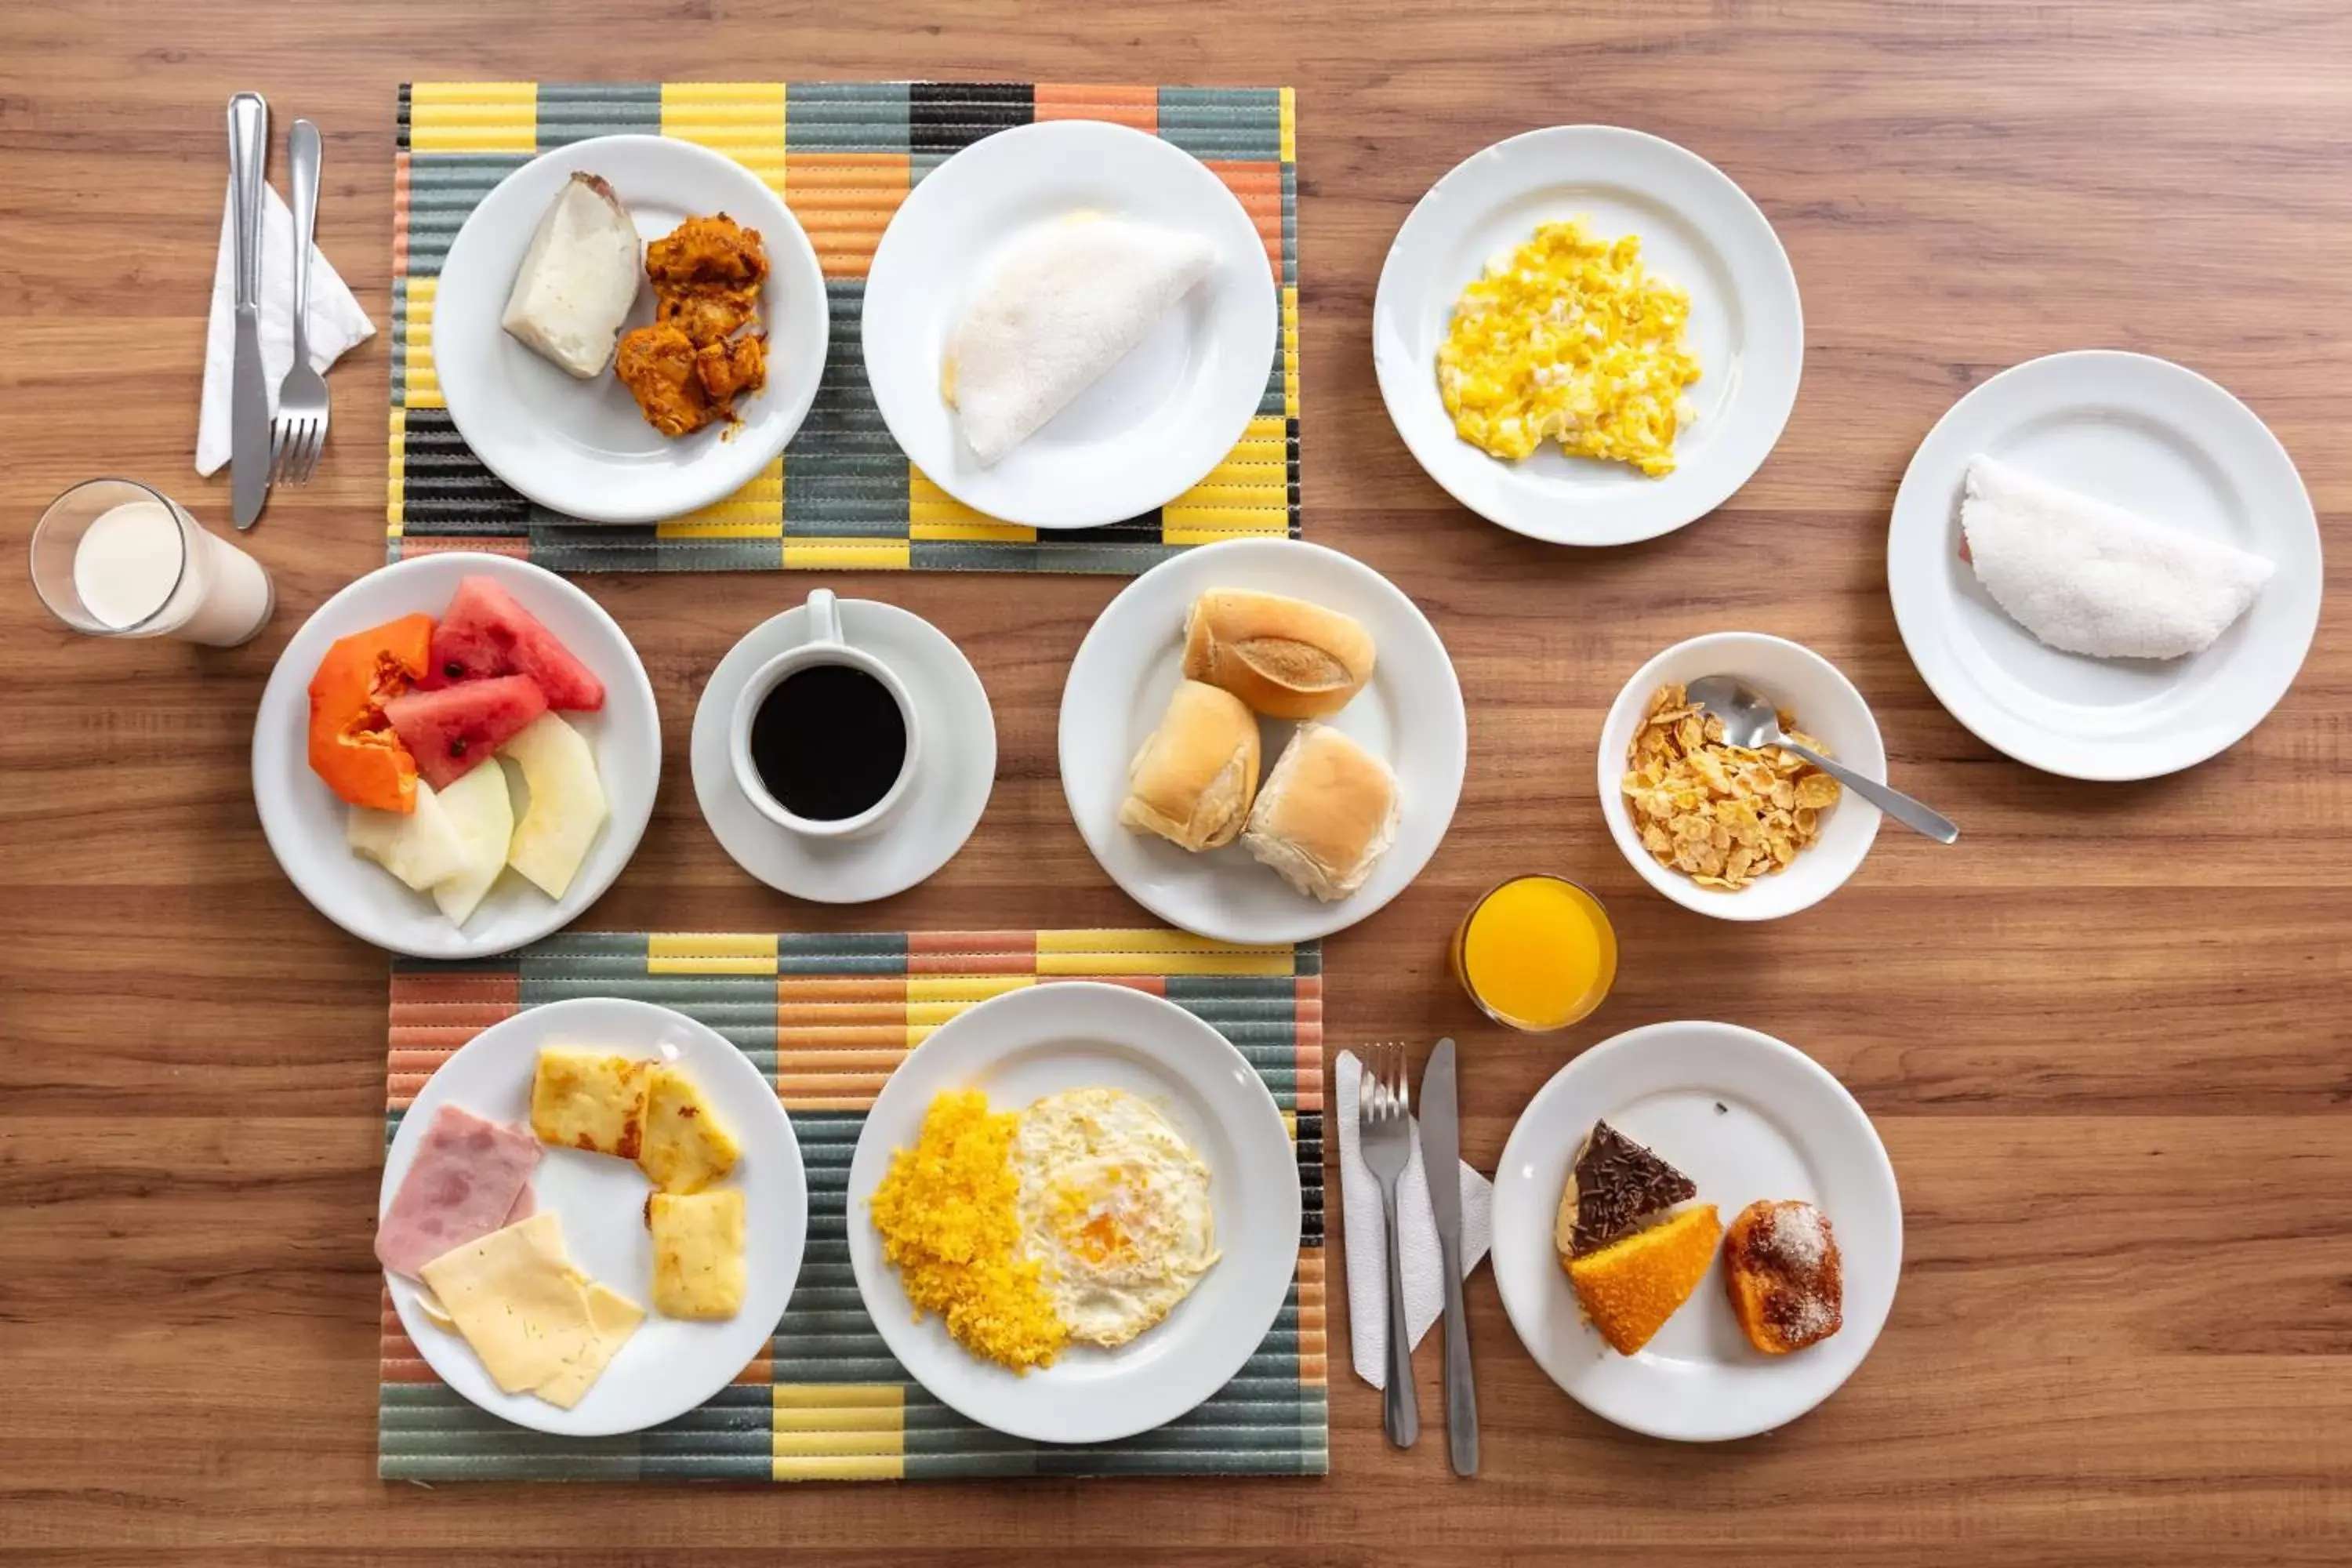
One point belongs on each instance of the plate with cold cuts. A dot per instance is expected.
(1702, 1120)
(1128, 1184)
(1069, 324)
(2212, 514)
(592, 1217)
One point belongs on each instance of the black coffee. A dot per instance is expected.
(828, 741)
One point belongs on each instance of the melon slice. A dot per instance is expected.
(454, 731)
(479, 805)
(421, 847)
(566, 805)
(485, 634)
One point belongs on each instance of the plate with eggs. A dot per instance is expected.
(1073, 1212)
(1588, 335)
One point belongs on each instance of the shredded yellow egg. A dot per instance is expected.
(1570, 339)
(945, 1214)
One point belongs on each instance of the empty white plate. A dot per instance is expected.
(1745, 1117)
(582, 446)
(1162, 417)
(304, 820)
(2140, 433)
(1076, 1035)
(1410, 713)
(1698, 230)
(670, 1364)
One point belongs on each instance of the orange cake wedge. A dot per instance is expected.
(1632, 1287)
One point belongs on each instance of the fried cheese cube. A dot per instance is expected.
(589, 1099)
(686, 1148)
(697, 1253)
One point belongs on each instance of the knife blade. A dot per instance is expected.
(248, 390)
(1441, 1155)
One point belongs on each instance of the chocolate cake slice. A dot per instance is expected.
(1613, 1189)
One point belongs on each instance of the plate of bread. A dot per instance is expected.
(1262, 741)
(1697, 1233)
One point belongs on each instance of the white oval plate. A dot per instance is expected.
(670, 1364)
(955, 772)
(1162, 417)
(1410, 713)
(2140, 433)
(1785, 1129)
(1698, 230)
(582, 446)
(304, 820)
(1073, 1034)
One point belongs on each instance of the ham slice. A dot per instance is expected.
(469, 1177)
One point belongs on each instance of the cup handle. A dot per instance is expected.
(824, 618)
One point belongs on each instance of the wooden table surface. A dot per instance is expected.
(2102, 1038)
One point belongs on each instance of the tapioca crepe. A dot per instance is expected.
(2092, 578)
(1065, 302)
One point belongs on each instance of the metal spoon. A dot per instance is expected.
(1748, 719)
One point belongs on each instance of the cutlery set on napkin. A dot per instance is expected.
(271, 335)
(1436, 1232)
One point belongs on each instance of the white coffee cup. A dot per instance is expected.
(825, 644)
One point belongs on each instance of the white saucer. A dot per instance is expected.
(1745, 1117)
(1162, 417)
(582, 446)
(2140, 433)
(1698, 230)
(952, 781)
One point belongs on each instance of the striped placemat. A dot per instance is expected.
(828, 1018)
(843, 156)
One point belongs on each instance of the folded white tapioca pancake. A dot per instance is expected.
(1066, 302)
(2092, 578)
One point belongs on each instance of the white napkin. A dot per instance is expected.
(336, 321)
(1368, 1258)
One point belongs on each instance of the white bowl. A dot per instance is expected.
(1826, 706)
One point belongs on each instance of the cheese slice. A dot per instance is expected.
(537, 1322)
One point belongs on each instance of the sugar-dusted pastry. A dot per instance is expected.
(1786, 1281)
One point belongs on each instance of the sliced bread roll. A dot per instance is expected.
(1194, 780)
(1284, 657)
(1326, 815)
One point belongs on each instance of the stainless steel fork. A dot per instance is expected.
(1385, 1128)
(299, 431)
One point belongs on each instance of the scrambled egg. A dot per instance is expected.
(1571, 339)
(1114, 1206)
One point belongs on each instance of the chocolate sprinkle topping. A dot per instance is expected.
(1618, 1185)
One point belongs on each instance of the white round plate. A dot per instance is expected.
(582, 446)
(1826, 706)
(953, 777)
(1698, 230)
(670, 1364)
(1074, 1035)
(1409, 713)
(2165, 442)
(304, 820)
(1162, 417)
(1745, 1117)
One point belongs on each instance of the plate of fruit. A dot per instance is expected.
(456, 755)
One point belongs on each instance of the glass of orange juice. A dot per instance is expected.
(1537, 953)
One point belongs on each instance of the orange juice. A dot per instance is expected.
(1536, 954)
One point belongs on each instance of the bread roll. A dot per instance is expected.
(1194, 780)
(1326, 815)
(1283, 657)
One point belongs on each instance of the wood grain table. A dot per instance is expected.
(2105, 1039)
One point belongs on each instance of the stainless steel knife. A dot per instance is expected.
(248, 390)
(1441, 1156)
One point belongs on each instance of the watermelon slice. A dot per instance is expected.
(485, 634)
(453, 731)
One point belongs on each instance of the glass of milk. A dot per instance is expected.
(112, 558)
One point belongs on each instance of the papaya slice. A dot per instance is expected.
(352, 746)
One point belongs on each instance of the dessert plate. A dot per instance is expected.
(2163, 441)
(1745, 1117)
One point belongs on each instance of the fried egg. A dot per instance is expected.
(1114, 1207)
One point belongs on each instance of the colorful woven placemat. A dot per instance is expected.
(843, 156)
(828, 1018)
